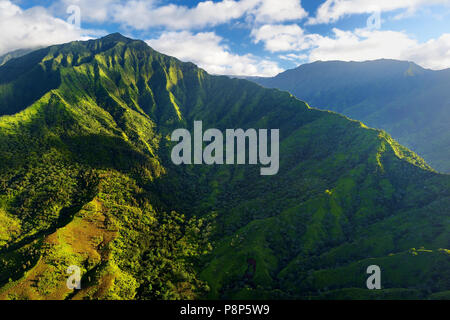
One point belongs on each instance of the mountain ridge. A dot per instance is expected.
(387, 94)
(86, 179)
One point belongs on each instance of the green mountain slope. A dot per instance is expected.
(86, 179)
(409, 102)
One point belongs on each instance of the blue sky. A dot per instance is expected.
(243, 37)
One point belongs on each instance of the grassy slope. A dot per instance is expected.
(92, 153)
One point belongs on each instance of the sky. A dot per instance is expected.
(243, 37)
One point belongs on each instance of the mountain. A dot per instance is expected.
(86, 179)
(411, 103)
(14, 54)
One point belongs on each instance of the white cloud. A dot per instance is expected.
(91, 11)
(144, 14)
(207, 50)
(433, 54)
(356, 45)
(333, 10)
(362, 45)
(33, 27)
(293, 57)
(141, 15)
(270, 11)
(278, 38)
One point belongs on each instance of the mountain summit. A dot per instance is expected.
(86, 180)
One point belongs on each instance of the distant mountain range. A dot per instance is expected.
(86, 180)
(14, 54)
(409, 102)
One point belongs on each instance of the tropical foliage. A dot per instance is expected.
(86, 179)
